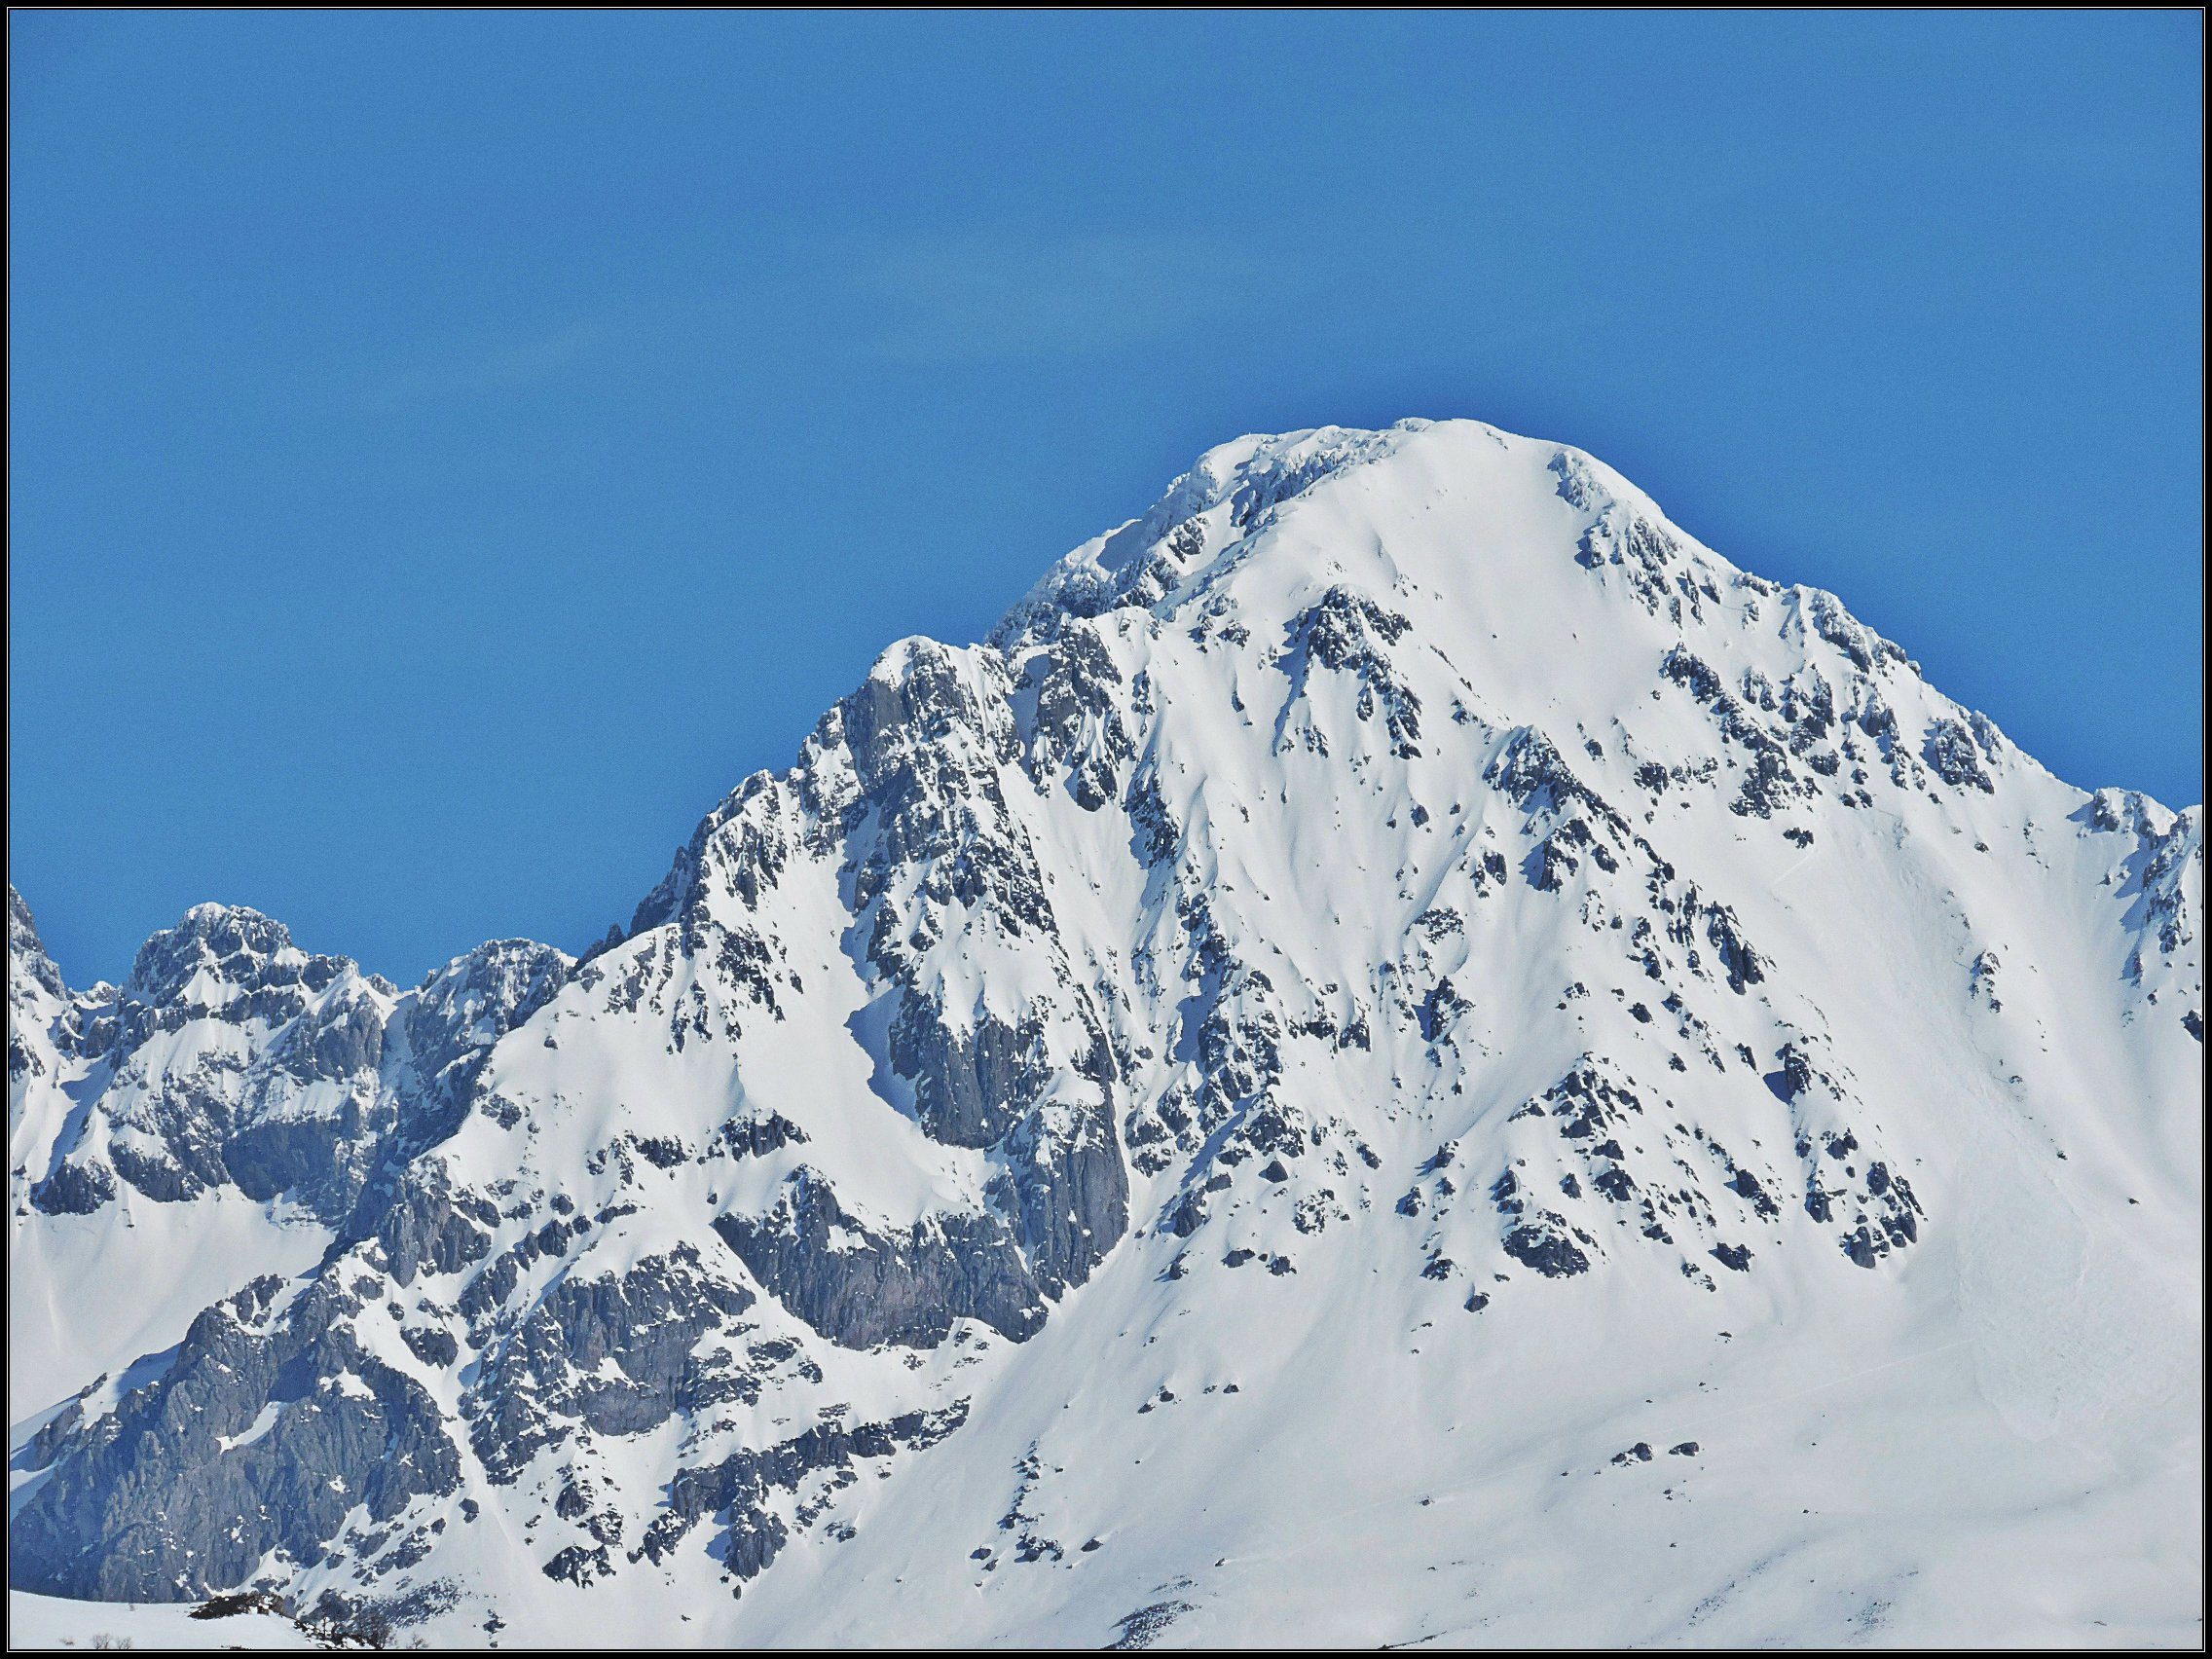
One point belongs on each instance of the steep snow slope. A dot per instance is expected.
(1404, 1054)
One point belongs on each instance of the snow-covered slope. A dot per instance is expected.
(1405, 1052)
(51, 1621)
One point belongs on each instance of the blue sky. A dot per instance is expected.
(449, 451)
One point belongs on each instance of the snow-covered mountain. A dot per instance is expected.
(1405, 1052)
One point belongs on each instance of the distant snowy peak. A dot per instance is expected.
(28, 960)
(220, 953)
(45, 1029)
(230, 1060)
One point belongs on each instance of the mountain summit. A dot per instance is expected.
(1404, 1052)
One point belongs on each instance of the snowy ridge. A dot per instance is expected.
(1401, 1036)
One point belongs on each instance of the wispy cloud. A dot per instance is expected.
(968, 297)
(478, 368)
(926, 298)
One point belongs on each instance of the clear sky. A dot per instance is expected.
(448, 451)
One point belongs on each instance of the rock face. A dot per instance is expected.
(1403, 862)
(231, 1059)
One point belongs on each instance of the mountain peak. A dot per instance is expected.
(1490, 486)
(26, 952)
(229, 940)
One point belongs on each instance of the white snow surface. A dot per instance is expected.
(57, 1623)
(1360, 690)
